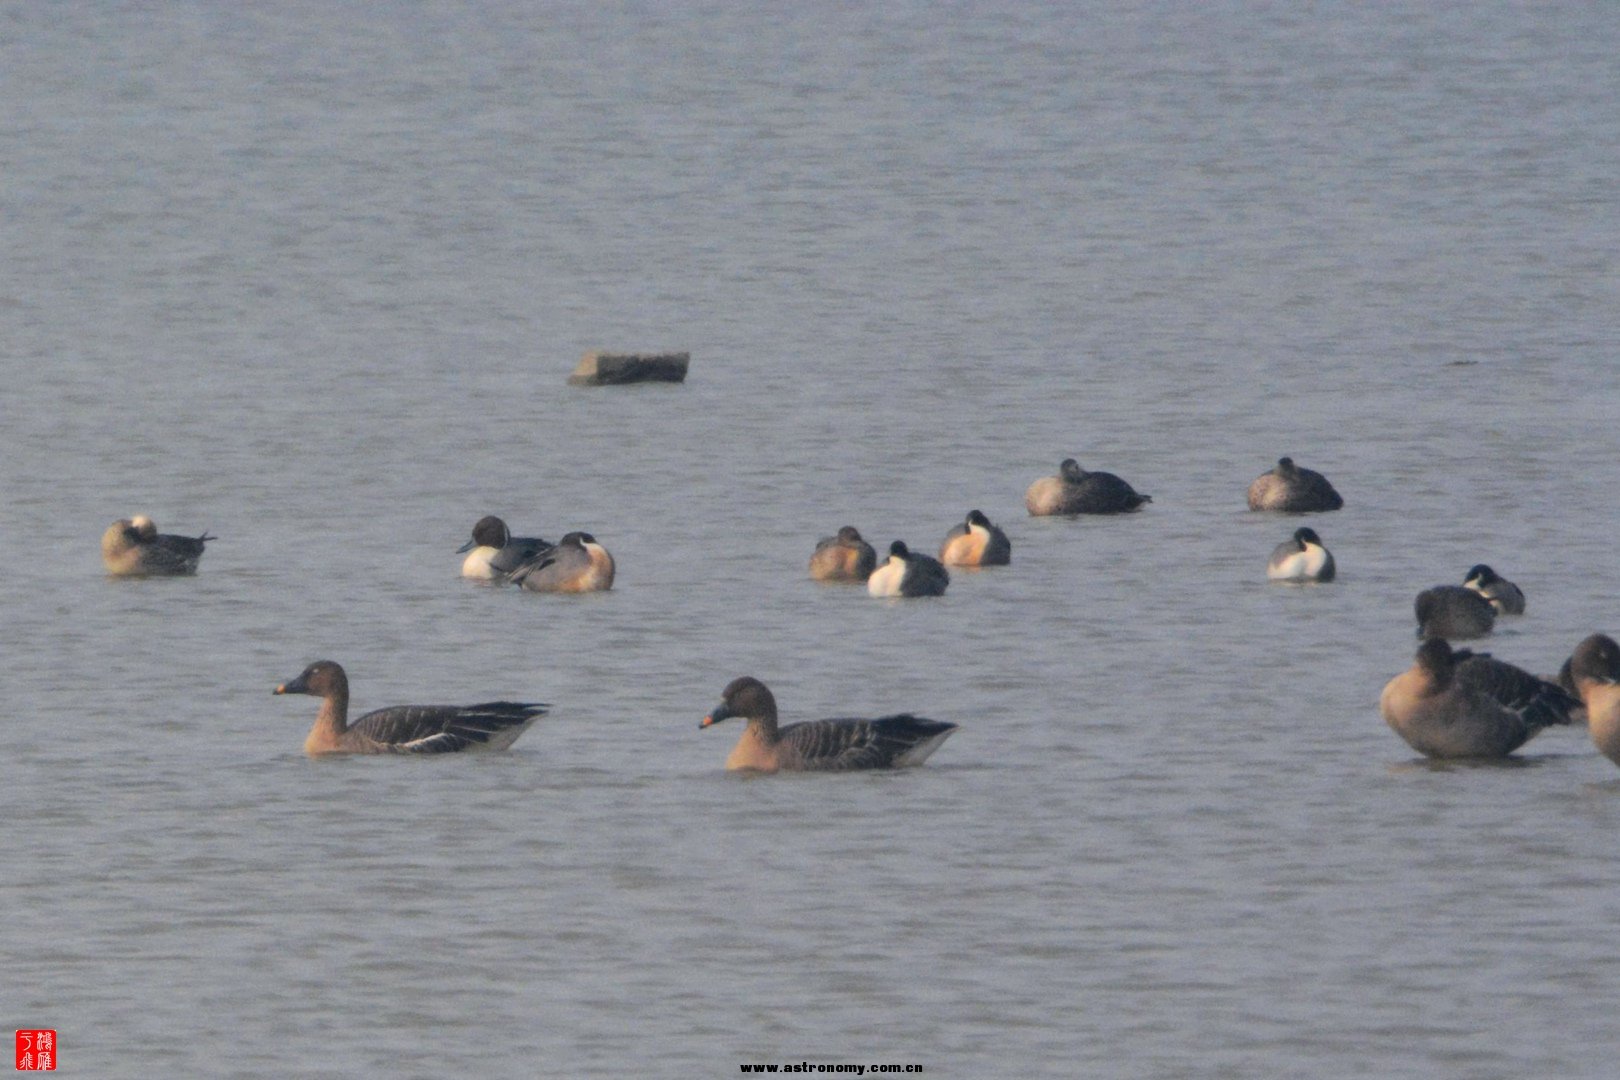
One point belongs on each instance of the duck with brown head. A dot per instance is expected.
(495, 552)
(404, 729)
(839, 744)
(132, 547)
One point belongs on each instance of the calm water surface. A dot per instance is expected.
(311, 277)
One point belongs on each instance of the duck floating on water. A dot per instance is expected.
(132, 547)
(845, 557)
(495, 552)
(1293, 490)
(906, 573)
(976, 542)
(1301, 558)
(1075, 491)
(577, 564)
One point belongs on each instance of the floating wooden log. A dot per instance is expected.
(610, 369)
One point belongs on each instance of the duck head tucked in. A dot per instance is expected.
(133, 547)
(907, 573)
(577, 564)
(1301, 558)
(975, 542)
(844, 557)
(1292, 489)
(1506, 597)
(1075, 491)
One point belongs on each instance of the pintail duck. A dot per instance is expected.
(976, 542)
(1293, 490)
(1463, 704)
(577, 564)
(907, 573)
(845, 557)
(1302, 558)
(404, 729)
(496, 552)
(1505, 597)
(839, 744)
(1075, 491)
(132, 547)
(1453, 612)
(1594, 668)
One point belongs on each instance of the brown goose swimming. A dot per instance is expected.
(404, 729)
(1461, 704)
(832, 745)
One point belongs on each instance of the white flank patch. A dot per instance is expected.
(476, 564)
(919, 753)
(1301, 566)
(886, 579)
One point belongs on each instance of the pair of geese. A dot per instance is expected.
(839, 744)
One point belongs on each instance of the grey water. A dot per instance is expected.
(312, 276)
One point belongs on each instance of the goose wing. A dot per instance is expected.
(437, 729)
(1537, 702)
(1319, 489)
(1105, 490)
(521, 550)
(175, 554)
(851, 743)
